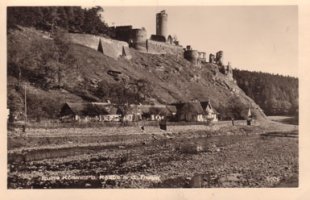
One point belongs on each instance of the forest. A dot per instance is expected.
(275, 94)
(71, 18)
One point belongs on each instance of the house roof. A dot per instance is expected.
(155, 109)
(151, 109)
(159, 110)
(172, 108)
(206, 105)
(112, 110)
(91, 109)
(131, 109)
(190, 107)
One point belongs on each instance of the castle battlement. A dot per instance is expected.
(124, 37)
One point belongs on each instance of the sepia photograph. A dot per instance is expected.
(117, 97)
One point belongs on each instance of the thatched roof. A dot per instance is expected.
(88, 109)
(190, 107)
(159, 110)
(156, 109)
(132, 109)
(206, 106)
(172, 109)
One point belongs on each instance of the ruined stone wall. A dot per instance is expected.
(219, 58)
(202, 56)
(155, 47)
(229, 72)
(114, 48)
(122, 33)
(111, 48)
(211, 58)
(138, 35)
(192, 56)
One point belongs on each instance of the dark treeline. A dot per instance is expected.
(275, 94)
(72, 18)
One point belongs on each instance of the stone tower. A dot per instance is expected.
(211, 58)
(191, 55)
(219, 58)
(161, 23)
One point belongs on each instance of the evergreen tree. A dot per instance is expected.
(74, 19)
(275, 94)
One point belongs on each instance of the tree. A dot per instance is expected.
(73, 18)
(275, 94)
(15, 104)
(62, 18)
(79, 18)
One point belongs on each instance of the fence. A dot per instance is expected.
(50, 124)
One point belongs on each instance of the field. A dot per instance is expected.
(221, 155)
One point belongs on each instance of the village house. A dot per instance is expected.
(189, 111)
(113, 114)
(85, 112)
(210, 114)
(155, 112)
(193, 111)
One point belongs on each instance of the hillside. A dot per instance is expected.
(56, 71)
(275, 94)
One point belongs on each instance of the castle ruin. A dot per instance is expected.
(212, 58)
(125, 37)
(219, 58)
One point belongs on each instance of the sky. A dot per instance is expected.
(255, 38)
